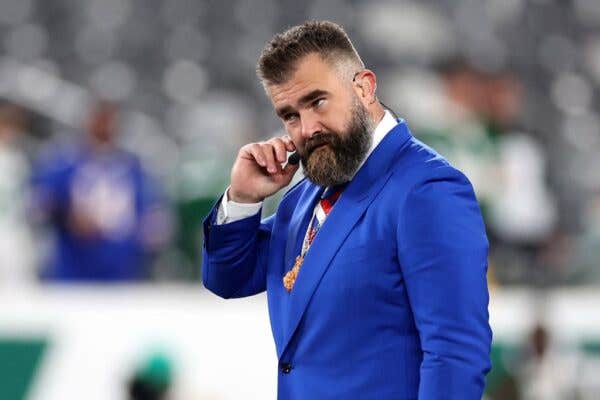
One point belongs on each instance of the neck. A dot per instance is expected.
(376, 111)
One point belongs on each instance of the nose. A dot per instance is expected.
(310, 124)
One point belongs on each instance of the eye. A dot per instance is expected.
(290, 117)
(318, 102)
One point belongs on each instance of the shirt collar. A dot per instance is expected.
(387, 123)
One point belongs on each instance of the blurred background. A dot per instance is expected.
(119, 121)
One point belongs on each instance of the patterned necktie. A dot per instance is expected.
(320, 213)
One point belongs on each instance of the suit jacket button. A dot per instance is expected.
(286, 368)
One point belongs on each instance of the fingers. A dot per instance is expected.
(289, 144)
(270, 154)
(264, 155)
(287, 174)
(254, 151)
(290, 169)
(279, 149)
(281, 146)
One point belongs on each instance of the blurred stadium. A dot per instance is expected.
(166, 91)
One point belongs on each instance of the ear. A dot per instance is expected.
(365, 86)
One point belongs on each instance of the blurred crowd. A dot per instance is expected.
(119, 120)
(85, 203)
(115, 143)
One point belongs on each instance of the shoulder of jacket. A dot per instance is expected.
(419, 163)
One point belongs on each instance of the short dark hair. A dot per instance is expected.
(279, 57)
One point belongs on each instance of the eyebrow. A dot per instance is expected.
(307, 98)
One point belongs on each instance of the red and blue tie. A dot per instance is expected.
(322, 210)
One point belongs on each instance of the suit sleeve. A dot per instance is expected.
(234, 256)
(443, 248)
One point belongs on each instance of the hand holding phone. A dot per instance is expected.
(258, 171)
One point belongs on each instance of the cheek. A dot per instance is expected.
(338, 115)
(337, 124)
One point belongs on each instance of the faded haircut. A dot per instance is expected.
(279, 58)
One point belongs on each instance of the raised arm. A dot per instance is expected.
(235, 251)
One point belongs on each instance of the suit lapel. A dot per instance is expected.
(299, 223)
(359, 193)
(292, 242)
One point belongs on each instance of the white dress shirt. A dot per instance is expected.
(231, 211)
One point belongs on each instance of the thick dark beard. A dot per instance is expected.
(338, 160)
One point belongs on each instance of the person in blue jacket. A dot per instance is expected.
(104, 211)
(375, 263)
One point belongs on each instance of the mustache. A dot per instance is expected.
(318, 140)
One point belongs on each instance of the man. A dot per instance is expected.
(381, 294)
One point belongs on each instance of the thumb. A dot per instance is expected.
(289, 170)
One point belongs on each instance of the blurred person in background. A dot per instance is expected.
(479, 129)
(522, 211)
(547, 373)
(105, 211)
(152, 378)
(16, 246)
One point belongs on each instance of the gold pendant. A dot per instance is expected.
(291, 275)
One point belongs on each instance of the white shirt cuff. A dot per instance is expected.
(231, 211)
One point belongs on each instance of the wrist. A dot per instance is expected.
(232, 195)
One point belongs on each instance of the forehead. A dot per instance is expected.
(312, 73)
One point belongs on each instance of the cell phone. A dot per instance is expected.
(294, 158)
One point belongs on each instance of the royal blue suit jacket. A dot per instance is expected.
(391, 301)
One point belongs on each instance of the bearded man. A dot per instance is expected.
(375, 263)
